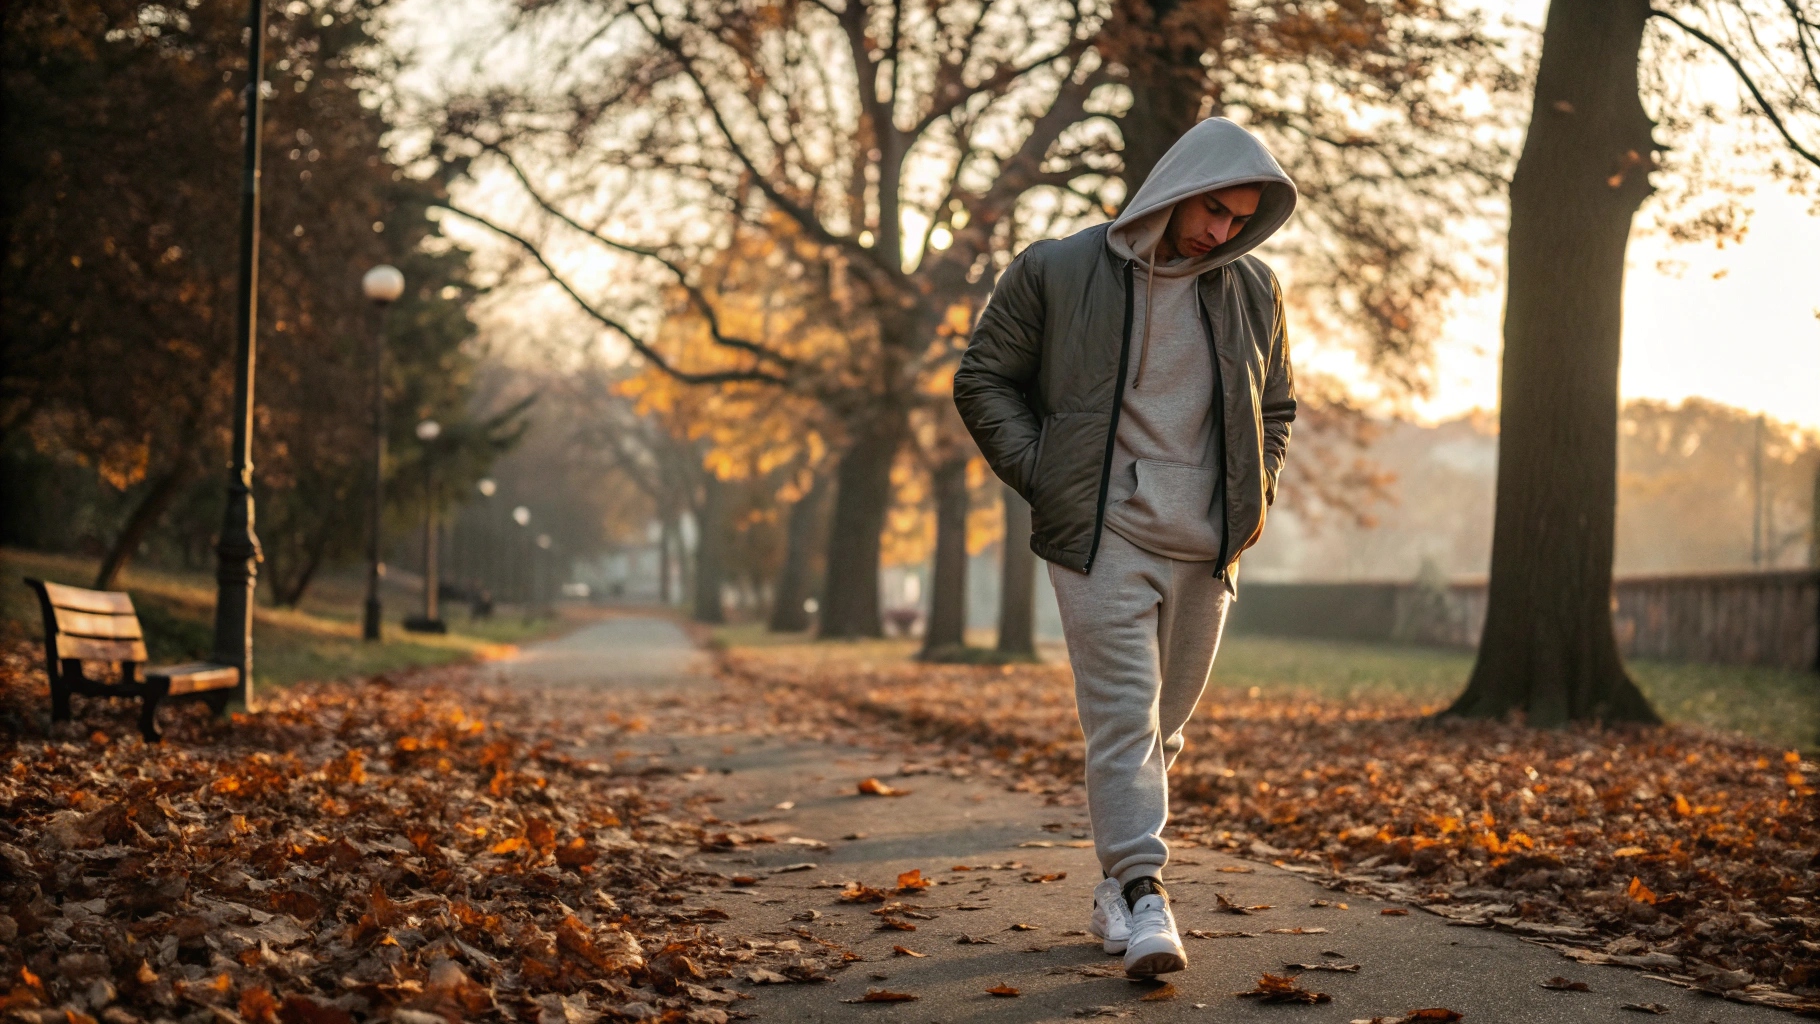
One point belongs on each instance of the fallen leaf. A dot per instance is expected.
(1640, 892)
(879, 995)
(1040, 878)
(1022, 927)
(1656, 1008)
(1560, 984)
(974, 940)
(1394, 912)
(1345, 968)
(873, 787)
(1295, 931)
(906, 951)
(1274, 988)
(893, 924)
(1003, 991)
(913, 881)
(857, 893)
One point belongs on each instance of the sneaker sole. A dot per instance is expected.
(1151, 964)
(1113, 947)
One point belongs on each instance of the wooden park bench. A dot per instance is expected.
(100, 625)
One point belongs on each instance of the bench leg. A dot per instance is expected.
(218, 702)
(60, 702)
(148, 711)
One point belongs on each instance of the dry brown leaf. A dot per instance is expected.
(906, 951)
(1003, 991)
(873, 787)
(1275, 988)
(879, 995)
(1560, 984)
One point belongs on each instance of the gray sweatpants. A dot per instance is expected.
(1142, 630)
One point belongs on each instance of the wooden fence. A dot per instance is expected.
(1755, 618)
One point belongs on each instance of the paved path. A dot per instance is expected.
(1406, 962)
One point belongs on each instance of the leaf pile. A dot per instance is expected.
(420, 850)
(1692, 854)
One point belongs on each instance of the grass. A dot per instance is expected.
(1779, 706)
(320, 640)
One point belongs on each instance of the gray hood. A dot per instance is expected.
(1213, 154)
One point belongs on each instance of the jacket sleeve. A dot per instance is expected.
(1278, 401)
(998, 370)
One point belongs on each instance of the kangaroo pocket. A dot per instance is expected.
(1171, 513)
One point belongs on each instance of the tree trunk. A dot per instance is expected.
(711, 551)
(1167, 83)
(1017, 583)
(947, 629)
(150, 509)
(862, 497)
(290, 594)
(1548, 648)
(787, 612)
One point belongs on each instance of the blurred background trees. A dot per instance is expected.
(121, 188)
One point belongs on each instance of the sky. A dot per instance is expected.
(1739, 324)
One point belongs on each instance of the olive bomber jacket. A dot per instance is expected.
(1041, 383)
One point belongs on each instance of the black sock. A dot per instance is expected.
(1142, 886)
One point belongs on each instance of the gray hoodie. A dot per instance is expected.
(1163, 495)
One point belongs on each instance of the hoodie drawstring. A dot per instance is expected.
(1149, 292)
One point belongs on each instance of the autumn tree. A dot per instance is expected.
(910, 149)
(1549, 650)
(122, 185)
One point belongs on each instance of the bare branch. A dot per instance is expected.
(696, 297)
(1737, 66)
(607, 320)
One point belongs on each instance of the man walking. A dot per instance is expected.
(1132, 382)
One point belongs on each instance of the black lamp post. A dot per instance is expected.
(484, 569)
(237, 553)
(540, 571)
(431, 621)
(522, 516)
(383, 285)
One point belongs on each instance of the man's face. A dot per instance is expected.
(1200, 223)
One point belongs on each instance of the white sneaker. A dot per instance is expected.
(1111, 922)
(1154, 947)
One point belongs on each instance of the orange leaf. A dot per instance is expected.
(873, 787)
(1640, 892)
(904, 951)
(913, 879)
(256, 1004)
(540, 835)
(1003, 990)
(512, 845)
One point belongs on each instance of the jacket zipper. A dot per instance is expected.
(1219, 390)
(1112, 432)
